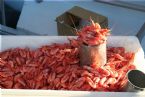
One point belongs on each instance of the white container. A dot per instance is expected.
(130, 43)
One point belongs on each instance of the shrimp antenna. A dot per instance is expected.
(92, 21)
(73, 24)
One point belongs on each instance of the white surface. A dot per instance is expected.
(40, 17)
(130, 43)
(53, 93)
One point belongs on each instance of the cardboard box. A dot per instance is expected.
(130, 43)
(77, 17)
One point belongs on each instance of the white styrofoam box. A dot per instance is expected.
(130, 43)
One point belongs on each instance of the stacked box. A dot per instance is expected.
(76, 18)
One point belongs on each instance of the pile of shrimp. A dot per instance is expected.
(56, 67)
(93, 34)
